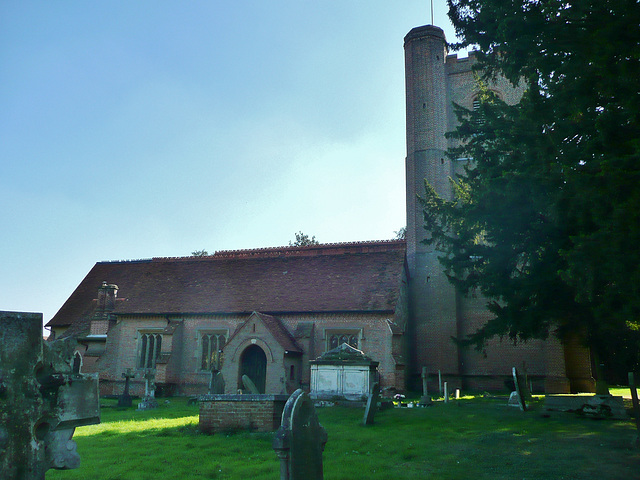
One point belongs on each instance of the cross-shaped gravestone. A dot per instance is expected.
(150, 383)
(149, 400)
(372, 404)
(42, 400)
(300, 440)
(125, 399)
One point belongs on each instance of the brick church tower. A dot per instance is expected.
(433, 299)
(434, 82)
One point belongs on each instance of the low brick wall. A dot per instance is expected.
(221, 413)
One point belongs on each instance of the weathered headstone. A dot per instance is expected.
(216, 384)
(124, 400)
(372, 404)
(300, 440)
(41, 400)
(636, 406)
(514, 400)
(426, 398)
(602, 387)
(249, 385)
(522, 403)
(149, 402)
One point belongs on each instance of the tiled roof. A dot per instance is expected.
(363, 276)
(276, 328)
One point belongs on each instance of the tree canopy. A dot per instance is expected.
(303, 240)
(545, 222)
(401, 234)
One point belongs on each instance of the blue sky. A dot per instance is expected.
(136, 129)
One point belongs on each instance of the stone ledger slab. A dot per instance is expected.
(572, 403)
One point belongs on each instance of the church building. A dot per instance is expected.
(267, 313)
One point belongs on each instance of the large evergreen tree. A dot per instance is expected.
(546, 220)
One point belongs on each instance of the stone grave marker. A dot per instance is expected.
(372, 405)
(446, 392)
(42, 400)
(300, 440)
(149, 400)
(518, 399)
(124, 400)
(602, 387)
(636, 405)
(216, 384)
(514, 399)
(426, 400)
(249, 385)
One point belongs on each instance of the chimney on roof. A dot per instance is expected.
(107, 294)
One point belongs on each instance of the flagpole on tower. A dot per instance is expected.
(432, 12)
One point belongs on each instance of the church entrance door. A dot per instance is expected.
(253, 364)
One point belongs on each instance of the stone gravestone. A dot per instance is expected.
(426, 400)
(636, 405)
(149, 400)
(602, 387)
(124, 400)
(300, 440)
(249, 385)
(517, 398)
(216, 384)
(372, 404)
(41, 400)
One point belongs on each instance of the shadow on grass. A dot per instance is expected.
(480, 439)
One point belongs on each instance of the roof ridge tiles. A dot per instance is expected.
(290, 250)
(139, 260)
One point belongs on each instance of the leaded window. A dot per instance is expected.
(337, 339)
(150, 347)
(212, 344)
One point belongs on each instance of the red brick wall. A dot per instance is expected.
(376, 341)
(541, 359)
(434, 82)
(183, 366)
(221, 413)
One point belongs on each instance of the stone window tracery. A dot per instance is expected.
(211, 353)
(335, 338)
(150, 347)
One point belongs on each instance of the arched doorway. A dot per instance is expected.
(253, 364)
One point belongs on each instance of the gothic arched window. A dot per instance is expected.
(150, 347)
(212, 344)
(336, 338)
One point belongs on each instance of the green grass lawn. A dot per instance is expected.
(473, 438)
